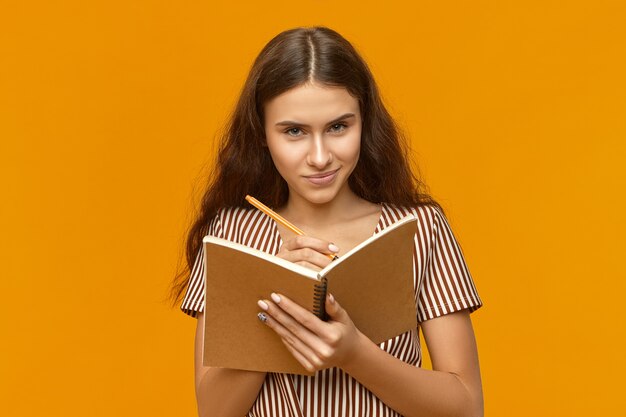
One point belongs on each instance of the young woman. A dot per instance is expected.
(311, 138)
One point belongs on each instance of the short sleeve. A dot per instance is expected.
(193, 301)
(447, 285)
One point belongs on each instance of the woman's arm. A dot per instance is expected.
(221, 391)
(452, 388)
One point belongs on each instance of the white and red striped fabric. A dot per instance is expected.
(443, 284)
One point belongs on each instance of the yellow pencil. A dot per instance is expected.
(277, 217)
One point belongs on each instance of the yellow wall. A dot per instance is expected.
(517, 111)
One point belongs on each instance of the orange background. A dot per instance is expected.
(108, 110)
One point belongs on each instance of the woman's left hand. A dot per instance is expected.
(314, 343)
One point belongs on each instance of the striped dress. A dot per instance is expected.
(443, 285)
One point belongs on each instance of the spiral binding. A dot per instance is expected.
(319, 299)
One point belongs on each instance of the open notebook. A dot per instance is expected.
(373, 282)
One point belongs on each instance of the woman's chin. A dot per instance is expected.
(320, 196)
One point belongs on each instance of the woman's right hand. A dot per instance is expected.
(308, 251)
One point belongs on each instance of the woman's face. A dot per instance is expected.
(313, 134)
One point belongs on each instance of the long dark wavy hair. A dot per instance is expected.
(244, 166)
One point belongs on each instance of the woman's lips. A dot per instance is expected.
(323, 178)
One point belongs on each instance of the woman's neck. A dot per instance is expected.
(310, 215)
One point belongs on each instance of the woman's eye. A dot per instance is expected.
(340, 127)
(290, 131)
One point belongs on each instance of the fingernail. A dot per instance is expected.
(275, 297)
(263, 304)
(331, 299)
(333, 248)
(262, 317)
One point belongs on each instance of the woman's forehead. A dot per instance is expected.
(311, 104)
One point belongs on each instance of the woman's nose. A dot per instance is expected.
(319, 155)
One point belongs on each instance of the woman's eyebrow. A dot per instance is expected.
(292, 123)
